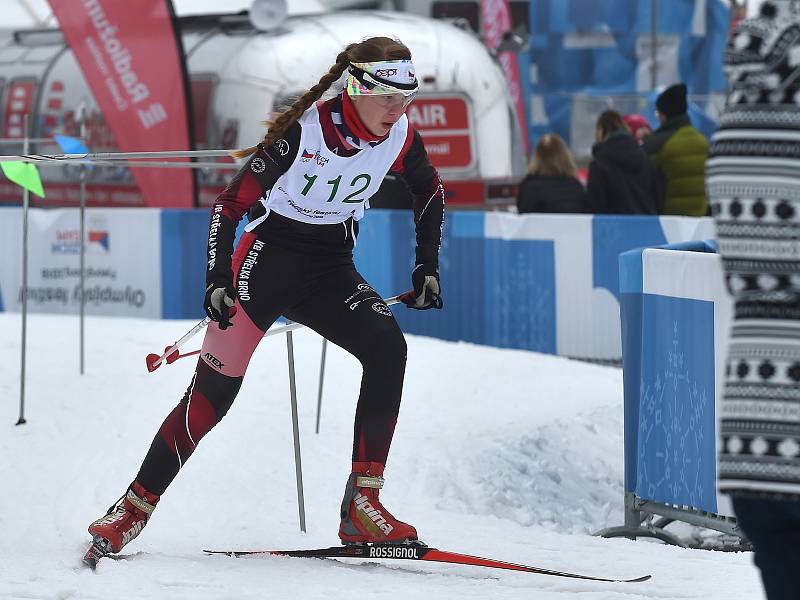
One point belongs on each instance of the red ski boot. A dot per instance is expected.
(364, 518)
(122, 523)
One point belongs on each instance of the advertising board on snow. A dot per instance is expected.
(123, 263)
(549, 283)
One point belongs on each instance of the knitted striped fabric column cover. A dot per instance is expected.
(754, 190)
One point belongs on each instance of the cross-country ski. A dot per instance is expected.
(415, 552)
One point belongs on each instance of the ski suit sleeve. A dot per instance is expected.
(259, 173)
(427, 194)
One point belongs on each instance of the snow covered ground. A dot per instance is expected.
(500, 453)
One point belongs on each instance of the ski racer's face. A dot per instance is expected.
(379, 112)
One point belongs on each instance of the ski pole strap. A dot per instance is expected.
(139, 503)
(368, 481)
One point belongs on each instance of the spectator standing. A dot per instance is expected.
(551, 185)
(639, 126)
(621, 178)
(680, 151)
(754, 190)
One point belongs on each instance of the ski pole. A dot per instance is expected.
(388, 302)
(132, 164)
(120, 156)
(171, 353)
(321, 380)
(298, 467)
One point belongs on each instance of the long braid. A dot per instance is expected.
(278, 126)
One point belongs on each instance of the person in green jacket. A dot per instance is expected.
(680, 151)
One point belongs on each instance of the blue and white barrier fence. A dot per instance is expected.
(548, 283)
(676, 317)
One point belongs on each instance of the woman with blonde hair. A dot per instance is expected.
(313, 173)
(551, 185)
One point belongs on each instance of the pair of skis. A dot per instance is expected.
(415, 552)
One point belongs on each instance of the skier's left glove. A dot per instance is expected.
(427, 291)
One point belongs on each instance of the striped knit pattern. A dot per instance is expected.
(753, 179)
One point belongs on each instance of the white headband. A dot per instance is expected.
(382, 78)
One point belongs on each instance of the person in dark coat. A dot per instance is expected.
(551, 185)
(622, 180)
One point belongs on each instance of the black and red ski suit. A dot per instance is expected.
(306, 273)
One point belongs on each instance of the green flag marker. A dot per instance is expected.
(25, 175)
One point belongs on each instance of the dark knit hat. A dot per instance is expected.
(672, 101)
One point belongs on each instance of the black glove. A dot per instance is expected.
(427, 292)
(218, 302)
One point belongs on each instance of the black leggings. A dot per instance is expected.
(322, 291)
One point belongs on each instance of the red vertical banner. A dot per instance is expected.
(496, 20)
(132, 59)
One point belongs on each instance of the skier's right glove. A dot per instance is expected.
(427, 292)
(218, 302)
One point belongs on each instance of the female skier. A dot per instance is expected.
(314, 173)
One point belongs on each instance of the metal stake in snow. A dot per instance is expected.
(25, 207)
(82, 211)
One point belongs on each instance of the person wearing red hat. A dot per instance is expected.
(639, 126)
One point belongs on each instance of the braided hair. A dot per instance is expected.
(370, 50)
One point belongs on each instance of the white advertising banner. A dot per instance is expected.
(123, 261)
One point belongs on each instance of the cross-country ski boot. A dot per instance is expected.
(364, 519)
(121, 524)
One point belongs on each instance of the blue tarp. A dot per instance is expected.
(563, 67)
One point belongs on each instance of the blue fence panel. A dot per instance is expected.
(373, 252)
(612, 235)
(672, 346)
(498, 289)
(630, 286)
(462, 272)
(676, 444)
(520, 292)
(184, 235)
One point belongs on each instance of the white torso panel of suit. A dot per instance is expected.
(323, 187)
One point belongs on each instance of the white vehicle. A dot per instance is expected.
(238, 75)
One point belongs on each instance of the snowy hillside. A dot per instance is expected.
(506, 454)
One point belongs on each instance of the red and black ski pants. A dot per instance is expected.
(321, 290)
